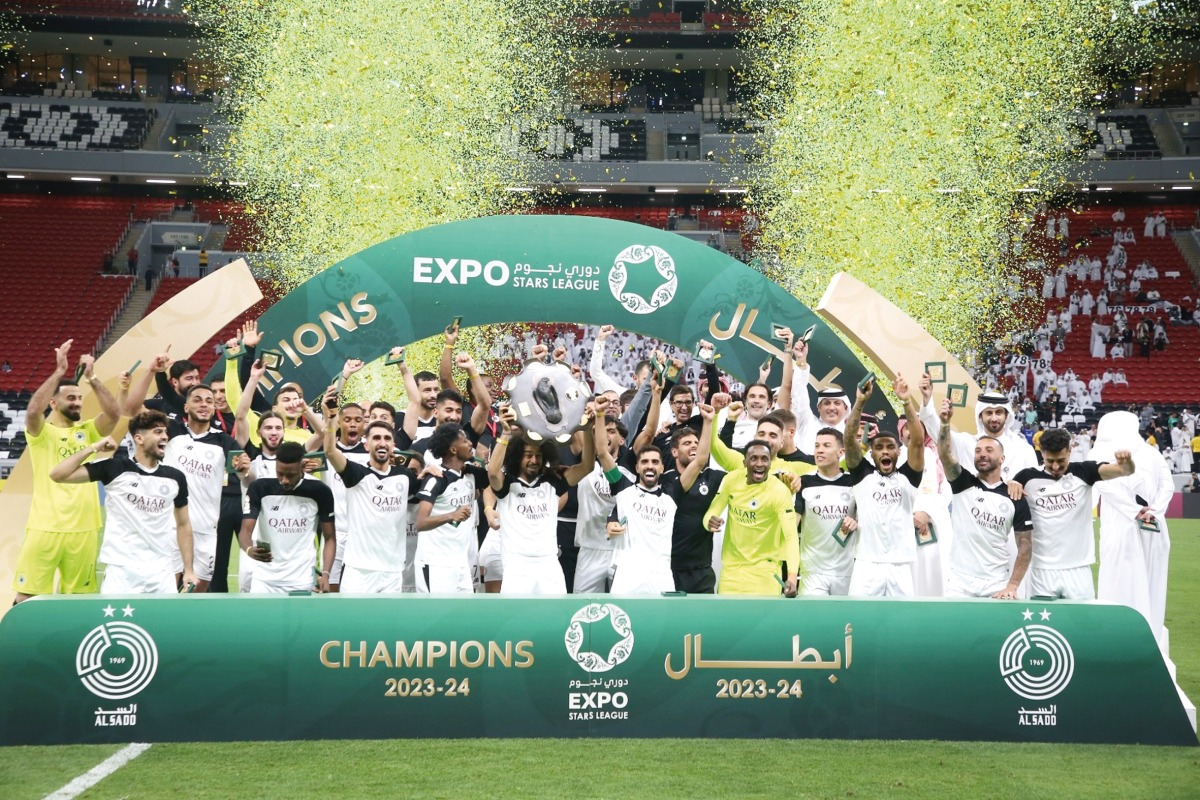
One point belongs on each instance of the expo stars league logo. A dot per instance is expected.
(618, 277)
(595, 612)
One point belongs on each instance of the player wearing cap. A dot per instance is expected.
(985, 518)
(825, 506)
(1059, 494)
(147, 509)
(286, 512)
(884, 494)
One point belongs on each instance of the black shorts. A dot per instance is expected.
(698, 580)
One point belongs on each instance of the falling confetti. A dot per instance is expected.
(905, 138)
(352, 123)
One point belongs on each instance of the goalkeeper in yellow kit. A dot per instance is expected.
(762, 538)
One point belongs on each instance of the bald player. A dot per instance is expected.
(761, 548)
(985, 518)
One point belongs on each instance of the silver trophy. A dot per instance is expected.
(549, 401)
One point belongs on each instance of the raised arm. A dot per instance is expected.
(1120, 468)
(854, 453)
(483, 398)
(945, 446)
(646, 435)
(508, 424)
(241, 414)
(333, 454)
(71, 468)
(930, 415)
(726, 457)
(600, 437)
(587, 458)
(784, 400)
(411, 417)
(601, 379)
(712, 379)
(805, 418)
(916, 431)
(634, 417)
(446, 363)
(687, 478)
(141, 387)
(110, 412)
(35, 410)
(251, 338)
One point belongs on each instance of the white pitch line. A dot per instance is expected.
(99, 772)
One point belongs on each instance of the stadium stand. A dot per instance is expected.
(100, 9)
(53, 289)
(1118, 136)
(1171, 375)
(242, 235)
(67, 127)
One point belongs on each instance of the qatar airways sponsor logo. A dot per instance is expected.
(1056, 502)
(602, 486)
(534, 510)
(993, 522)
(194, 466)
(150, 505)
(831, 512)
(649, 512)
(290, 524)
(389, 503)
(888, 496)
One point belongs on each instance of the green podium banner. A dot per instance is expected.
(213, 668)
(534, 268)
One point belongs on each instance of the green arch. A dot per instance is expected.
(542, 269)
